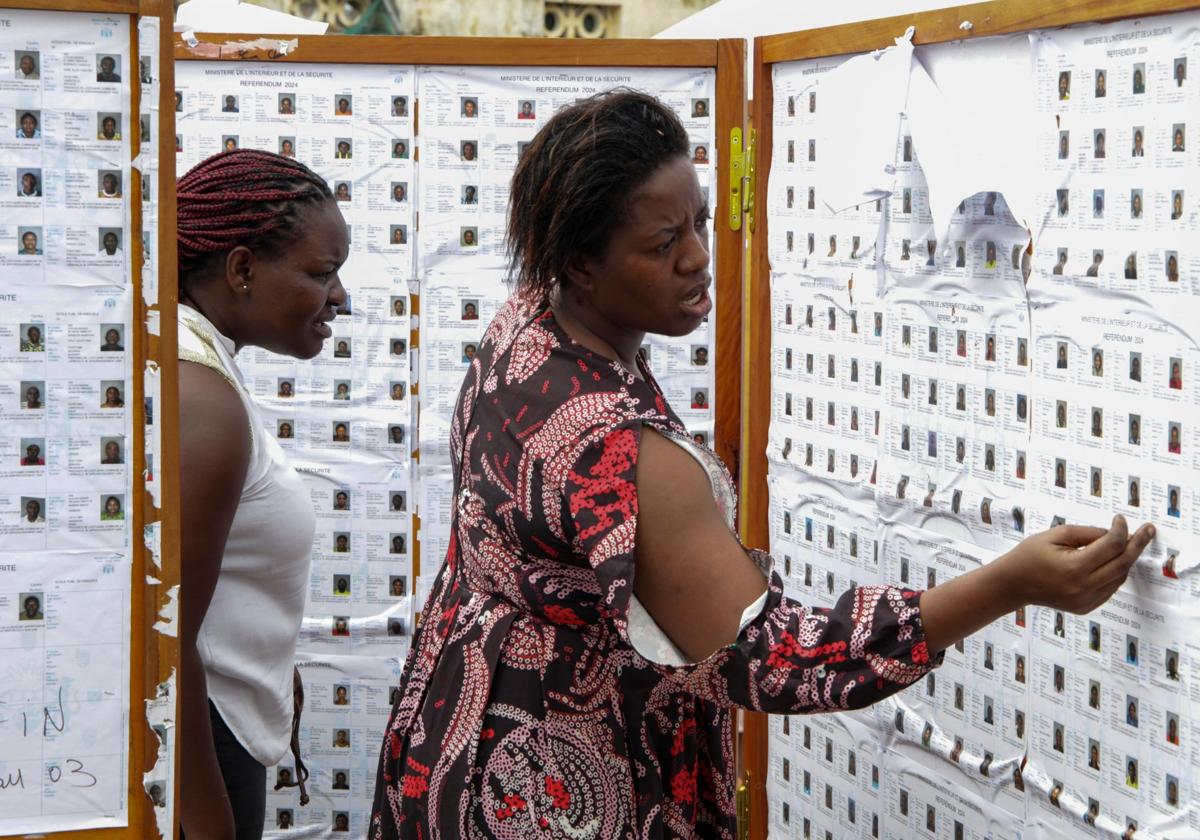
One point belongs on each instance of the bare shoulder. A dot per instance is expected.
(668, 476)
(214, 428)
(691, 573)
(677, 512)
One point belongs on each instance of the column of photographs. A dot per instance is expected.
(65, 373)
(994, 388)
(346, 416)
(475, 124)
(146, 169)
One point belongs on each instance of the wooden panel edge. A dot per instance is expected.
(756, 394)
(941, 25)
(167, 412)
(730, 245)
(114, 7)
(141, 596)
(403, 49)
(756, 387)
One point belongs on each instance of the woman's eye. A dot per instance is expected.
(666, 246)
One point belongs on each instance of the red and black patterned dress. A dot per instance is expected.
(524, 710)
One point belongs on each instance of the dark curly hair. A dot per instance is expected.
(574, 180)
(243, 197)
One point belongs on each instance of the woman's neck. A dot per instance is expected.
(212, 310)
(589, 328)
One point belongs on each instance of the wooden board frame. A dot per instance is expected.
(1003, 17)
(466, 52)
(116, 7)
(164, 658)
(153, 655)
(725, 56)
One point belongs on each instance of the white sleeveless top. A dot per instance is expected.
(248, 639)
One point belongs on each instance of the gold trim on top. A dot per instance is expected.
(212, 360)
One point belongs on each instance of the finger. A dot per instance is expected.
(1118, 567)
(1111, 575)
(1118, 573)
(1102, 596)
(1106, 547)
(1074, 536)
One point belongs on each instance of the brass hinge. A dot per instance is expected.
(741, 180)
(743, 807)
(748, 195)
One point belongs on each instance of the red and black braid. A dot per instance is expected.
(244, 197)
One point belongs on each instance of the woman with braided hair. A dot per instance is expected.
(260, 244)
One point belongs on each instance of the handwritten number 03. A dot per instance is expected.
(76, 769)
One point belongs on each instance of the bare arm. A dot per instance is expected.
(1072, 567)
(214, 453)
(695, 580)
(692, 574)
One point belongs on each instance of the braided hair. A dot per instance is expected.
(244, 197)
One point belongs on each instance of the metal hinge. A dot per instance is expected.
(741, 180)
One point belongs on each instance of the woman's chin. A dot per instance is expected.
(309, 348)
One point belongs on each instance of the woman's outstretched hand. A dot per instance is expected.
(1075, 568)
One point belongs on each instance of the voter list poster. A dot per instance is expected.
(346, 417)
(949, 376)
(65, 398)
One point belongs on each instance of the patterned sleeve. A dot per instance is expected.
(789, 658)
(600, 497)
(794, 658)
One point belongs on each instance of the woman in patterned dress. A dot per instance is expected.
(553, 693)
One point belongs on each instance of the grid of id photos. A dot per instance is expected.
(939, 391)
(350, 417)
(66, 346)
(347, 416)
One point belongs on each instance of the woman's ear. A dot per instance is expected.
(239, 270)
(582, 273)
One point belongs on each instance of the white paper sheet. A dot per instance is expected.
(66, 167)
(146, 165)
(968, 142)
(64, 712)
(861, 103)
(350, 123)
(347, 417)
(65, 376)
(1017, 390)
